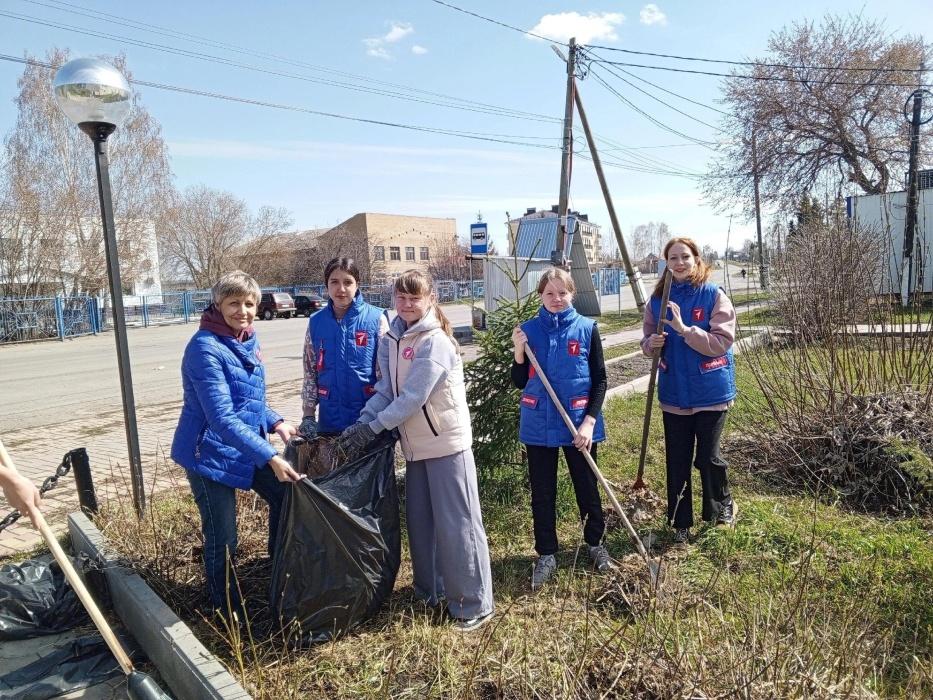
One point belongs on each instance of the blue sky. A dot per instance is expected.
(325, 170)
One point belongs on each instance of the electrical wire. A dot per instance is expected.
(501, 24)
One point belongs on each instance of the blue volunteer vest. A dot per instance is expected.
(687, 378)
(561, 342)
(346, 362)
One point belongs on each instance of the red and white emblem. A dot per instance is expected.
(529, 401)
(320, 359)
(369, 390)
(579, 402)
(715, 363)
(323, 392)
(362, 339)
(408, 353)
(698, 314)
(573, 347)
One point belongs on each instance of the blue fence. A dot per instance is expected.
(44, 318)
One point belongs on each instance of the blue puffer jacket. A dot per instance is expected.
(687, 378)
(561, 343)
(346, 362)
(224, 420)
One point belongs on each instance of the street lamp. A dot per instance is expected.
(95, 96)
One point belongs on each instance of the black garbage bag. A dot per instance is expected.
(339, 546)
(36, 599)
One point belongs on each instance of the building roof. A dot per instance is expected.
(537, 237)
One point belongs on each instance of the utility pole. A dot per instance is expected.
(557, 255)
(762, 271)
(633, 273)
(910, 224)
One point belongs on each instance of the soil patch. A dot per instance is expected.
(627, 369)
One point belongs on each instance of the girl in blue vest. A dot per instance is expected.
(340, 353)
(421, 392)
(222, 434)
(696, 384)
(570, 352)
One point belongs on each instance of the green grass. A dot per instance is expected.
(621, 349)
(613, 321)
(762, 316)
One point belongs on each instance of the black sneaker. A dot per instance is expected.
(681, 535)
(728, 513)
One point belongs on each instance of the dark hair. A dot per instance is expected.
(701, 273)
(418, 283)
(347, 265)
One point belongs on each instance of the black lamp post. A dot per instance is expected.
(96, 97)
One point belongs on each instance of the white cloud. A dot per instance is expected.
(376, 45)
(418, 50)
(651, 14)
(586, 28)
(398, 30)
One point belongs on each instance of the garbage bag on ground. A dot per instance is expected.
(80, 663)
(36, 599)
(339, 546)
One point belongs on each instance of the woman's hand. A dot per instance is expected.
(656, 340)
(283, 470)
(584, 439)
(518, 344)
(285, 431)
(676, 322)
(21, 494)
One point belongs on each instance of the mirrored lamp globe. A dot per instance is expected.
(91, 90)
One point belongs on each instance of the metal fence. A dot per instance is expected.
(44, 318)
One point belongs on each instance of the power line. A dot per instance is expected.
(472, 135)
(501, 24)
(767, 78)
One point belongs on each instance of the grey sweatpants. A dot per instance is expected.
(449, 551)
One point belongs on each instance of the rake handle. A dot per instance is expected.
(76, 583)
(586, 454)
(652, 380)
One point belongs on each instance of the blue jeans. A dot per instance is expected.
(217, 505)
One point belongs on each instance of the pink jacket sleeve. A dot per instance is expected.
(712, 343)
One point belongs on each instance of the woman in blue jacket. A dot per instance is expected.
(340, 353)
(696, 384)
(222, 434)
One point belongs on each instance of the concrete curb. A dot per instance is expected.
(187, 667)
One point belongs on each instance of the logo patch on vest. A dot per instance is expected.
(531, 372)
(320, 358)
(323, 392)
(529, 401)
(699, 314)
(369, 390)
(573, 347)
(362, 339)
(408, 353)
(579, 402)
(715, 363)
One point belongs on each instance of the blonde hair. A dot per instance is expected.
(417, 283)
(235, 284)
(556, 274)
(701, 272)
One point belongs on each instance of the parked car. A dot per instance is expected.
(307, 305)
(274, 304)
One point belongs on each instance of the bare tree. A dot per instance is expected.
(207, 231)
(823, 108)
(51, 217)
(709, 253)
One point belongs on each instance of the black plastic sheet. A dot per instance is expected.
(36, 599)
(339, 546)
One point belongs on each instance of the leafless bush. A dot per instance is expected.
(846, 407)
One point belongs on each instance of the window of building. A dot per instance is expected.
(379, 252)
(395, 253)
(410, 252)
(424, 253)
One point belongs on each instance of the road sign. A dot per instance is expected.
(479, 241)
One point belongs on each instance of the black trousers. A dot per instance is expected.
(542, 473)
(701, 430)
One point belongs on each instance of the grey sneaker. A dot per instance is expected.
(472, 623)
(728, 513)
(600, 558)
(544, 569)
(681, 535)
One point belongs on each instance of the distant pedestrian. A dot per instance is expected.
(570, 352)
(696, 384)
(743, 273)
(222, 434)
(340, 352)
(421, 392)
